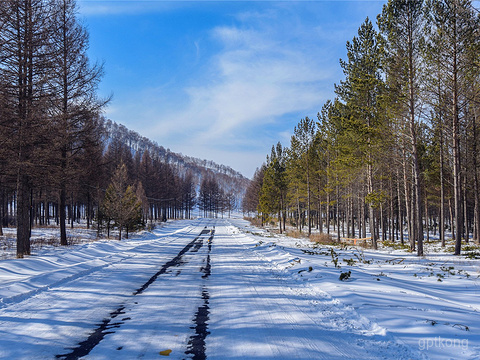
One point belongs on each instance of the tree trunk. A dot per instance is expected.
(382, 223)
(391, 212)
(457, 193)
(338, 211)
(328, 213)
(371, 207)
(465, 209)
(476, 182)
(2, 212)
(88, 210)
(399, 205)
(427, 220)
(279, 220)
(407, 197)
(442, 195)
(299, 220)
(359, 215)
(23, 216)
(320, 217)
(63, 215)
(452, 222)
(417, 223)
(308, 200)
(363, 216)
(352, 219)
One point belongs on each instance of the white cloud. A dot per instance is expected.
(253, 81)
(129, 7)
(247, 97)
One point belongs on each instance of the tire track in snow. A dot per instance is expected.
(85, 268)
(196, 343)
(107, 324)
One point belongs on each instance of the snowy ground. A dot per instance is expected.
(221, 289)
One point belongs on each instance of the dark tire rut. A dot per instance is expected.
(196, 344)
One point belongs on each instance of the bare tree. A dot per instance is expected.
(74, 109)
(24, 70)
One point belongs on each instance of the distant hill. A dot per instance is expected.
(228, 179)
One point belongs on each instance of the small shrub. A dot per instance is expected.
(450, 269)
(473, 255)
(350, 262)
(396, 245)
(361, 257)
(295, 234)
(322, 238)
(470, 247)
(255, 221)
(334, 258)
(345, 275)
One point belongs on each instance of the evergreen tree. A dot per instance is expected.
(273, 192)
(402, 22)
(121, 204)
(454, 45)
(361, 92)
(302, 162)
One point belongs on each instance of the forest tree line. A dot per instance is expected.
(58, 163)
(398, 148)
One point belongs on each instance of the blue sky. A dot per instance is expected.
(220, 80)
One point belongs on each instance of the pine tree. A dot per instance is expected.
(302, 162)
(120, 203)
(364, 118)
(327, 137)
(454, 45)
(402, 23)
(273, 192)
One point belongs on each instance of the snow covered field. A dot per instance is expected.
(222, 289)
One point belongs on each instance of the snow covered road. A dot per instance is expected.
(207, 289)
(260, 313)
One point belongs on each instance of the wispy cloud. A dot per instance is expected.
(119, 7)
(257, 86)
(257, 78)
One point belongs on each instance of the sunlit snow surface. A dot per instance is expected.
(269, 297)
